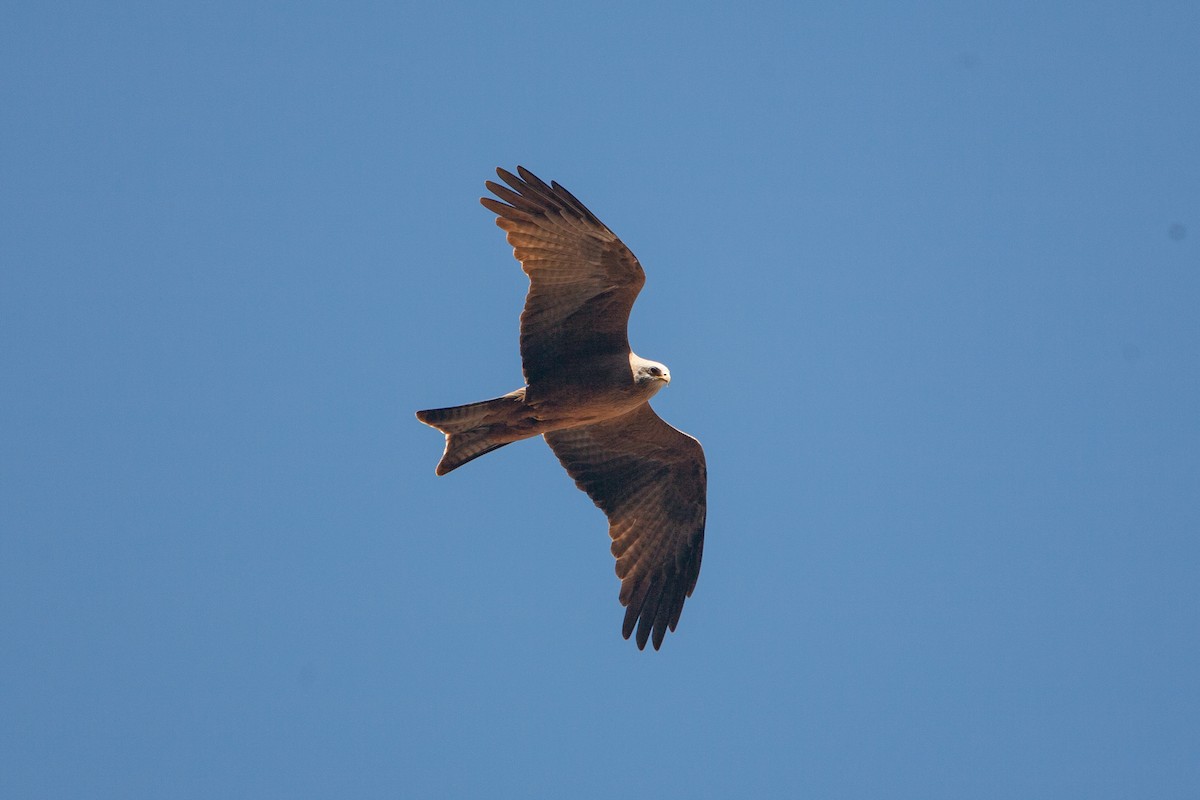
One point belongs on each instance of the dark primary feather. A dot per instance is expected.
(650, 481)
(582, 278)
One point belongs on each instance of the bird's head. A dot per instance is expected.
(648, 373)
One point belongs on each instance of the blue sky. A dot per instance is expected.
(927, 278)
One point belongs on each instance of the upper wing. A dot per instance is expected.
(582, 279)
(650, 480)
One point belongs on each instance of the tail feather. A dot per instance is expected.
(457, 419)
(474, 429)
(464, 447)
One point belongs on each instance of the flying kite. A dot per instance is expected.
(587, 393)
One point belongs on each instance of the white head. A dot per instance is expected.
(648, 374)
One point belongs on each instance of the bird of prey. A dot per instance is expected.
(587, 393)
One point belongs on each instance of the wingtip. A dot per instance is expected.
(506, 176)
(637, 640)
(654, 639)
(642, 638)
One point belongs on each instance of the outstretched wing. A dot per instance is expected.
(650, 481)
(582, 278)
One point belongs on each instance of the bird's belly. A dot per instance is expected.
(571, 407)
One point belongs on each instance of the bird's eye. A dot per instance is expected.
(656, 372)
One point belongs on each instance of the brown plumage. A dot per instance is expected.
(587, 393)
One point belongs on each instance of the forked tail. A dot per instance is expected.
(477, 428)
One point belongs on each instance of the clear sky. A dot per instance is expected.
(927, 277)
